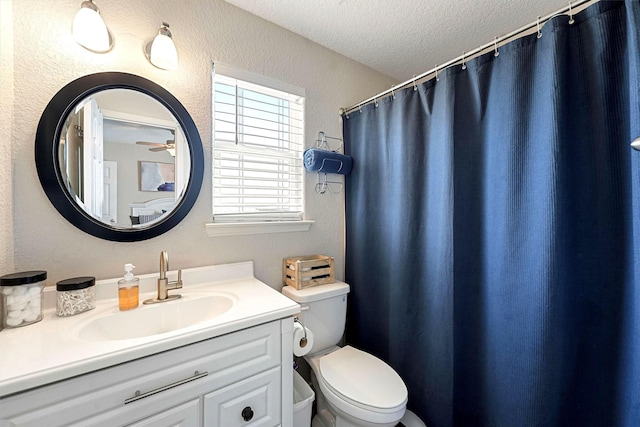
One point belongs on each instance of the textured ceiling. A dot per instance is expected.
(401, 38)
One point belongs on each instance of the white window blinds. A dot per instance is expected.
(257, 152)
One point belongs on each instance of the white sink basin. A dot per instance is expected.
(148, 320)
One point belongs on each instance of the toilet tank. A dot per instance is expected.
(324, 311)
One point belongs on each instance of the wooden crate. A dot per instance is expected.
(305, 271)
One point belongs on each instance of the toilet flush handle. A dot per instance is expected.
(304, 307)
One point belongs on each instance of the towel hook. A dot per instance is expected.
(324, 184)
(321, 186)
(321, 142)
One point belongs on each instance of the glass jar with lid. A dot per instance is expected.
(75, 296)
(21, 295)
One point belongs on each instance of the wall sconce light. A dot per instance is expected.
(161, 51)
(89, 29)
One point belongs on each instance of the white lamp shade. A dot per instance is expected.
(163, 53)
(90, 31)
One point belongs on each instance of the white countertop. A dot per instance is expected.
(50, 350)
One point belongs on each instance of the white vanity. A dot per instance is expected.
(230, 365)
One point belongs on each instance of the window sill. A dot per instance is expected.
(245, 228)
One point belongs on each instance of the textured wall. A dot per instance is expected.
(6, 127)
(46, 58)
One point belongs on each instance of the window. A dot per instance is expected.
(258, 132)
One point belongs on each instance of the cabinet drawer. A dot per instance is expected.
(185, 415)
(254, 402)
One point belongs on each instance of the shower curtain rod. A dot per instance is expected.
(538, 23)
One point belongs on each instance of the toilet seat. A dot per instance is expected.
(362, 385)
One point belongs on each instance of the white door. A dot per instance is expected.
(92, 159)
(110, 192)
(182, 162)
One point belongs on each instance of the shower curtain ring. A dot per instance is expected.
(375, 102)
(415, 86)
(437, 78)
(539, 28)
(495, 47)
(393, 95)
(571, 20)
(464, 63)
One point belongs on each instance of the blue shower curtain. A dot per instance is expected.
(493, 230)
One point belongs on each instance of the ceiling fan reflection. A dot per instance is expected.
(157, 146)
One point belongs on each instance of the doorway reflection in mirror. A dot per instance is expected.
(116, 147)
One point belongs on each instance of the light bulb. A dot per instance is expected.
(162, 51)
(89, 29)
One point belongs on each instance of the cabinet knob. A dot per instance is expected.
(247, 413)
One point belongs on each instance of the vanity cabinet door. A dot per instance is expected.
(254, 402)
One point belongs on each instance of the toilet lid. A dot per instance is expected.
(362, 378)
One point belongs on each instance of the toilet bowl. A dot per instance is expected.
(353, 388)
(358, 388)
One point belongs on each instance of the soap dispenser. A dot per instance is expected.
(128, 290)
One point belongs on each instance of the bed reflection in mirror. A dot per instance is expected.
(124, 158)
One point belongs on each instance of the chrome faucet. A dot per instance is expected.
(164, 285)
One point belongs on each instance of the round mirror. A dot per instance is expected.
(119, 156)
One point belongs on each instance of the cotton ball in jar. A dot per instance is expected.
(15, 314)
(20, 299)
(35, 304)
(33, 296)
(14, 321)
(30, 316)
(15, 305)
(19, 290)
(21, 295)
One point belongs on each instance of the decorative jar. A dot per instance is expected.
(76, 295)
(21, 295)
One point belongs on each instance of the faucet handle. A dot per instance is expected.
(174, 285)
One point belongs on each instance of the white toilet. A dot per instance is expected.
(353, 388)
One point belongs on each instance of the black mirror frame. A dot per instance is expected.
(48, 141)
